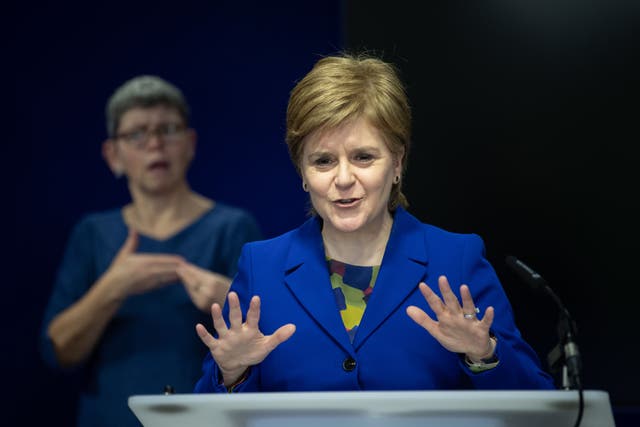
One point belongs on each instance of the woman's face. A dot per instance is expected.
(153, 148)
(349, 172)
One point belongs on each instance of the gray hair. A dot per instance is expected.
(144, 91)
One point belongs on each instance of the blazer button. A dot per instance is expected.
(349, 364)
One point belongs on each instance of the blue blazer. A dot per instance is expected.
(390, 351)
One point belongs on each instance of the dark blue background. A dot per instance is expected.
(236, 62)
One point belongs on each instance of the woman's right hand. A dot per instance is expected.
(133, 273)
(240, 345)
(76, 330)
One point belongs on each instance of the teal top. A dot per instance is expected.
(151, 341)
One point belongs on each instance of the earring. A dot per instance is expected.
(396, 179)
(304, 186)
(118, 171)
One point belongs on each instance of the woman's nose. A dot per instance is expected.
(344, 175)
(154, 140)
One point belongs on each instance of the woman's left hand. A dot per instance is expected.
(457, 327)
(203, 286)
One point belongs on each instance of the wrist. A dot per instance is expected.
(108, 291)
(115, 283)
(233, 377)
(487, 356)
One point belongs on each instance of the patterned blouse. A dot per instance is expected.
(352, 286)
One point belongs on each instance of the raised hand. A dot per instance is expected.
(457, 327)
(240, 345)
(203, 286)
(76, 331)
(136, 273)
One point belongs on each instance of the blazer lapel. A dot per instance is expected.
(307, 277)
(403, 268)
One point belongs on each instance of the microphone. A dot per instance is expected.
(535, 280)
(567, 350)
(532, 278)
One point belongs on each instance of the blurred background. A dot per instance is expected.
(525, 117)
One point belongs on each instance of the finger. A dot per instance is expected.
(161, 275)
(199, 279)
(253, 315)
(450, 299)
(193, 270)
(421, 318)
(435, 303)
(174, 261)
(206, 338)
(468, 306)
(487, 319)
(158, 272)
(188, 276)
(235, 313)
(186, 272)
(166, 263)
(130, 244)
(218, 321)
(160, 268)
(282, 334)
(166, 278)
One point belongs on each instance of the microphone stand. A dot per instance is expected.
(565, 356)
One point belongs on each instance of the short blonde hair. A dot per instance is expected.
(345, 87)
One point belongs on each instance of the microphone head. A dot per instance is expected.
(511, 261)
(526, 273)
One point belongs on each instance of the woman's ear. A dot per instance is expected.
(192, 136)
(110, 155)
(397, 162)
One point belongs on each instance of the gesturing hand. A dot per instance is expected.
(136, 273)
(240, 345)
(455, 331)
(204, 287)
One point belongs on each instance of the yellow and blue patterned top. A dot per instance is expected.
(352, 286)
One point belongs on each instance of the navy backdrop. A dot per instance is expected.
(236, 62)
(524, 132)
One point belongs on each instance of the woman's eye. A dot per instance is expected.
(364, 157)
(322, 161)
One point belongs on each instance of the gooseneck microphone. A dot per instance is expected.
(526, 273)
(566, 352)
(565, 356)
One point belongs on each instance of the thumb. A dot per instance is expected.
(281, 335)
(130, 244)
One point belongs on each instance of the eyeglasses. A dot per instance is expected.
(168, 132)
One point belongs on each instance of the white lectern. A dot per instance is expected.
(375, 409)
